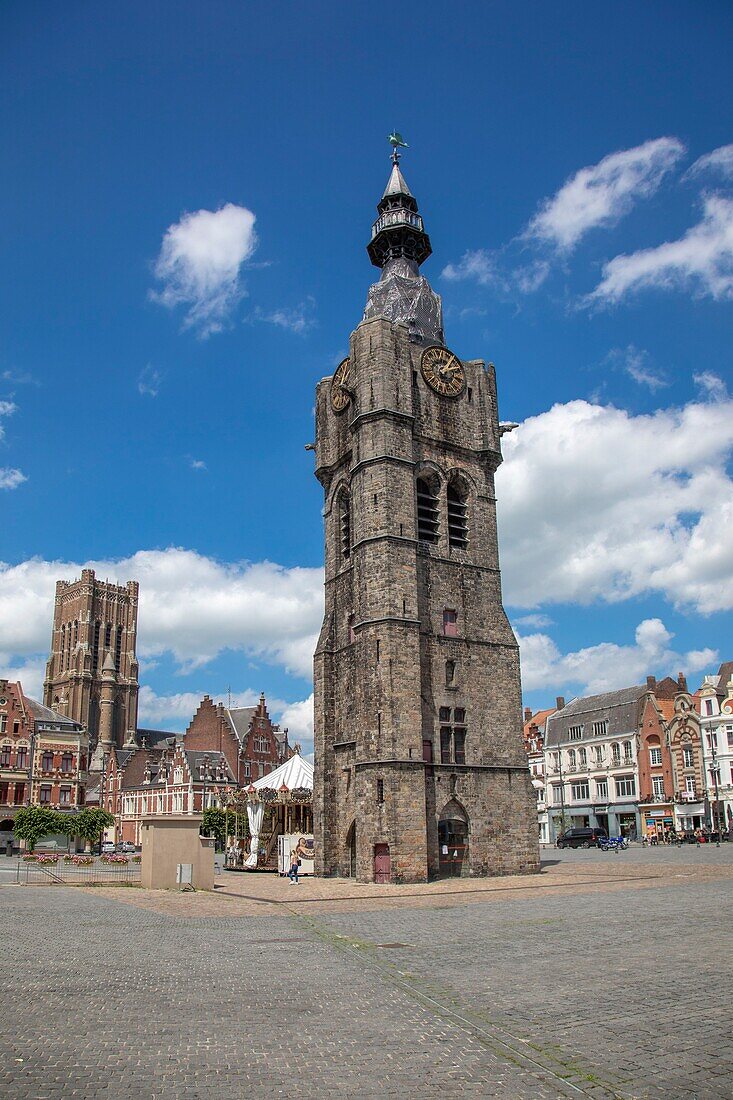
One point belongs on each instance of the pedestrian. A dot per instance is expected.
(294, 865)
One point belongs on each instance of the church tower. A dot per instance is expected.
(92, 671)
(420, 765)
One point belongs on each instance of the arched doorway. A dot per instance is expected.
(350, 851)
(452, 840)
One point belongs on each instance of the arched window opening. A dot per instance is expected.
(345, 524)
(118, 648)
(107, 636)
(428, 515)
(95, 645)
(63, 646)
(457, 518)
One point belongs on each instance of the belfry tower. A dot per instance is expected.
(92, 671)
(420, 765)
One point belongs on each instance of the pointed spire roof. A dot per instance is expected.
(396, 184)
(109, 664)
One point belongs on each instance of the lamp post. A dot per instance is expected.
(714, 772)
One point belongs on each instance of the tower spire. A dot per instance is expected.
(399, 245)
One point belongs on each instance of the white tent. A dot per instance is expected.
(295, 772)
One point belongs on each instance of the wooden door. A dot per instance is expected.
(382, 863)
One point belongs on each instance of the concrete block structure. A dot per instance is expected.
(419, 757)
(172, 842)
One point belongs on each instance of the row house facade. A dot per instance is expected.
(714, 704)
(534, 745)
(161, 781)
(43, 758)
(222, 747)
(629, 761)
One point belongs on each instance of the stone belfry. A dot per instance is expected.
(420, 765)
(92, 671)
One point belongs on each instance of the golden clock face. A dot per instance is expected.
(340, 396)
(442, 371)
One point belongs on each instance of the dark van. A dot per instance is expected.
(581, 838)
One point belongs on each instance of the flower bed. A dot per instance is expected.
(114, 859)
(137, 859)
(30, 858)
(47, 857)
(79, 861)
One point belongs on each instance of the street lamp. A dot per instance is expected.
(714, 772)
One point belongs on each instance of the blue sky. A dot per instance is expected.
(188, 189)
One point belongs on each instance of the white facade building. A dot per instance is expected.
(715, 705)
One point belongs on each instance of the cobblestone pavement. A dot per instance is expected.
(573, 987)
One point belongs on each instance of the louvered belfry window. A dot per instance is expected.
(428, 516)
(345, 516)
(457, 519)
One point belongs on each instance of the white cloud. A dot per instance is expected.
(481, 266)
(197, 464)
(11, 478)
(607, 666)
(149, 381)
(635, 362)
(190, 606)
(297, 718)
(300, 319)
(598, 504)
(601, 194)
(701, 261)
(537, 621)
(29, 672)
(199, 265)
(719, 161)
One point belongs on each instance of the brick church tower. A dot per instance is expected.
(92, 672)
(420, 764)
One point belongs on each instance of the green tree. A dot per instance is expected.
(215, 822)
(33, 822)
(89, 824)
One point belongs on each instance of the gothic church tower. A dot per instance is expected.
(420, 765)
(92, 671)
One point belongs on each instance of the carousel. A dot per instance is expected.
(279, 809)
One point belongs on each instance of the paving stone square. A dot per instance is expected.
(601, 977)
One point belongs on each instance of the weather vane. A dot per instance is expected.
(397, 142)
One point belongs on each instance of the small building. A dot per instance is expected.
(252, 744)
(656, 767)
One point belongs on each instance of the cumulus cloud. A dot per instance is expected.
(199, 265)
(601, 194)
(607, 666)
(701, 261)
(191, 606)
(598, 504)
(720, 162)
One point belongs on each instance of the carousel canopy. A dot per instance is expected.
(294, 773)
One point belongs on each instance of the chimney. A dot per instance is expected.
(560, 702)
(651, 683)
(681, 681)
(527, 714)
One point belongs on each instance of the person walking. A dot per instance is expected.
(294, 865)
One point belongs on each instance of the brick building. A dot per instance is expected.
(92, 670)
(43, 757)
(222, 746)
(534, 746)
(656, 768)
(168, 779)
(714, 704)
(420, 767)
(686, 750)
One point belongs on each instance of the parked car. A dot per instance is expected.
(581, 838)
(127, 847)
(108, 848)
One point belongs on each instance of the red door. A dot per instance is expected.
(382, 863)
